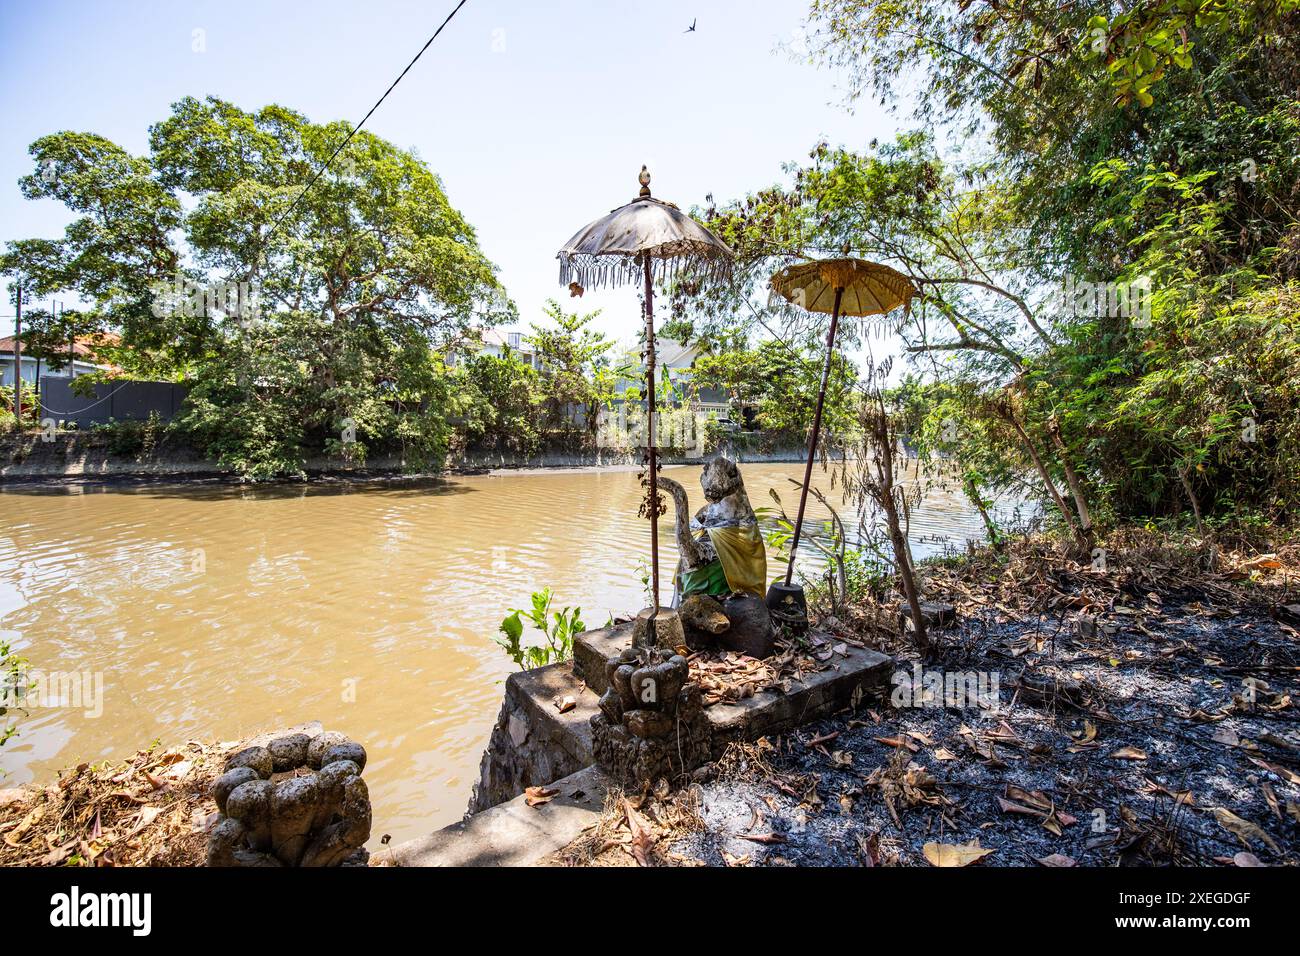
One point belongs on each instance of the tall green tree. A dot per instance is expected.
(300, 318)
(576, 373)
(1114, 146)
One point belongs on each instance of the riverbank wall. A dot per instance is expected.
(84, 455)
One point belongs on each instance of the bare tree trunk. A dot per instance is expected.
(1008, 415)
(971, 487)
(1076, 487)
(1191, 496)
(902, 556)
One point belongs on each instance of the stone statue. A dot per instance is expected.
(651, 722)
(275, 814)
(722, 571)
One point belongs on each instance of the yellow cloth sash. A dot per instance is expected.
(743, 557)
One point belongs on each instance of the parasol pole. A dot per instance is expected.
(653, 510)
(816, 429)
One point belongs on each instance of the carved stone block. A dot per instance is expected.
(298, 801)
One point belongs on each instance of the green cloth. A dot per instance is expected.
(740, 567)
(708, 579)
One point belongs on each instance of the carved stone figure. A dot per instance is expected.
(651, 722)
(297, 801)
(723, 564)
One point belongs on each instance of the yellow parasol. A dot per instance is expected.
(838, 287)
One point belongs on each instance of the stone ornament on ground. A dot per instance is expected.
(651, 722)
(298, 800)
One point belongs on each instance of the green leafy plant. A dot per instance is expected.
(11, 688)
(131, 437)
(643, 575)
(8, 419)
(558, 629)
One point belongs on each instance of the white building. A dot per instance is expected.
(497, 342)
(83, 361)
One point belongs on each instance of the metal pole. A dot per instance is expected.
(816, 429)
(18, 360)
(650, 436)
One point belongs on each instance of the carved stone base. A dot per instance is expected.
(298, 801)
(646, 745)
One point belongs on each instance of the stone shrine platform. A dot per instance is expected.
(542, 737)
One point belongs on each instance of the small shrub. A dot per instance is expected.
(557, 628)
(11, 688)
(131, 438)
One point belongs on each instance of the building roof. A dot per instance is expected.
(82, 348)
(674, 354)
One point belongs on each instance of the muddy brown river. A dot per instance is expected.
(212, 611)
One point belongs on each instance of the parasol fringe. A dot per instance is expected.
(608, 271)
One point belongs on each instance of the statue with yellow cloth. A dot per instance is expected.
(722, 574)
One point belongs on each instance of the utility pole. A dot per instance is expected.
(72, 349)
(18, 359)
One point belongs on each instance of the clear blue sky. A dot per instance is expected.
(537, 116)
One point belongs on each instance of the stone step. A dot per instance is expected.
(858, 678)
(511, 833)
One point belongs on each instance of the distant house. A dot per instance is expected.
(497, 342)
(675, 360)
(84, 360)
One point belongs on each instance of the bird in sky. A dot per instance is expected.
(691, 28)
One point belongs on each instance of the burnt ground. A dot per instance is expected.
(1146, 715)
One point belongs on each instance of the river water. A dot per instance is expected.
(212, 611)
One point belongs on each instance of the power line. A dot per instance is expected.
(355, 129)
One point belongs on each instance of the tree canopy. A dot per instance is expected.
(298, 314)
(1099, 206)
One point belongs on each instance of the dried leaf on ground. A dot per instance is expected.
(1243, 830)
(949, 855)
(1129, 753)
(643, 840)
(536, 796)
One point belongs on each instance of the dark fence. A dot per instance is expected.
(117, 400)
